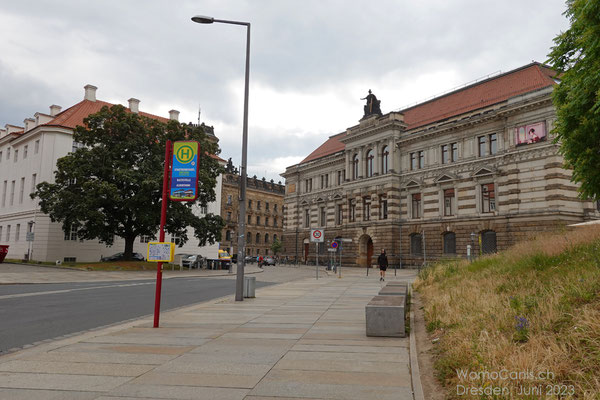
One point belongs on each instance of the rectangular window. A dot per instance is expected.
(307, 218)
(17, 232)
(5, 188)
(326, 181)
(266, 221)
(322, 181)
(258, 205)
(16, 155)
(229, 199)
(33, 182)
(413, 161)
(228, 216)
(0, 156)
(249, 204)
(383, 208)
(454, 152)
(249, 219)
(323, 216)
(8, 233)
(0, 232)
(71, 233)
(366, 208)
(481, 145)
(448, 202)
(146, 239)
(488, 198)
(352, 210)
(21, 190)
(204, 210)
(76, 145)
(421, 159)
(266, 205)
(25, 148)
(36, 148)
(493, 144)
(416, 205)
(258, 220)
(12, 193)
(274, 207)
(8, 154)
(275, 222)
(339, 178)
(339, 214)
(175, 239)
(445, 155)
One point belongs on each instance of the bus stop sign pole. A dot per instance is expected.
(163, 220)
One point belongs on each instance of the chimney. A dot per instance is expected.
(174, 115)
(55, 110)
(90, 92)
(134, 105)
(29, 124)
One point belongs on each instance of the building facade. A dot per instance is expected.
(28, 156)
(264, 213)
(476, 167)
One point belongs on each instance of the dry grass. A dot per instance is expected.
(535, 307)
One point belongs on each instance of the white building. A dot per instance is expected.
(28, 156)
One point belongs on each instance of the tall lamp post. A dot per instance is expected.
(239, 284)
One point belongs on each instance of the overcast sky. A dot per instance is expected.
(311, 61)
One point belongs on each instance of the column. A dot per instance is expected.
(361, 163)
(348, 165)
(392, 156)
(377, 159)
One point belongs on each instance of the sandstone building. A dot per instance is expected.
(264, 213)
(476, 166)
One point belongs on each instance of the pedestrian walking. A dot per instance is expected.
(382, 261)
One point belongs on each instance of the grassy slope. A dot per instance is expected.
(535, 307)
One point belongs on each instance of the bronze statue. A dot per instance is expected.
(372, 106)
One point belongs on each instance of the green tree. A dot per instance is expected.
(276, 246)
(113, 185)
(576, 56)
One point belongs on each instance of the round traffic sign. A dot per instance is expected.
(317, 234)
(334, 245)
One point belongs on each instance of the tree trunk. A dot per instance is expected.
(129, 247)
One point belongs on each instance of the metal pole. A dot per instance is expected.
(317, 262)
(399, 250)
(296, 247)
(424, 249)
(340, 270)
(163, 220)
(239, 287)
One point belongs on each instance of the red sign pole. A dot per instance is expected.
(163, 220)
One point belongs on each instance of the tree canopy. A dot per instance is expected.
(112, 185)
(576, 56)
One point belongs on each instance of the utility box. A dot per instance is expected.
(249, 286)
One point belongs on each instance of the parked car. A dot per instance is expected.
(269, 261)
(121, 256)
(249, 260)
(192, 261)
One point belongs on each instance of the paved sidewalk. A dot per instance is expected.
(302, 339)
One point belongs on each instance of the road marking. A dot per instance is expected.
(12, 296)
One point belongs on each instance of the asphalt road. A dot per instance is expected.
(36, 312)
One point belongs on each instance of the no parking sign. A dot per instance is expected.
(317, 235)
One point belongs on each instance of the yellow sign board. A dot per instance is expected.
(161, 251)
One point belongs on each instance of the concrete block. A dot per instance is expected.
(397, 283)
(393, 291)
(385, 316)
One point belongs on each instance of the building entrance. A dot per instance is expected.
(365, 251)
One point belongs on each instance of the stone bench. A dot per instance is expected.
(385, 316)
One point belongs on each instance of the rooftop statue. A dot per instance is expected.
(372, 106)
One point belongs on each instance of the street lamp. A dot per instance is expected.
(239, 284)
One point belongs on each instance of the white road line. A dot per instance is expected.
(12, 296)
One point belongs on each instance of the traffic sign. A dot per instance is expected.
(334, 245)
(332, 250)
(317, 235)
(347, 240)
(184, 171)
(29, 236)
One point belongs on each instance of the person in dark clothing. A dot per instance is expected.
(382, 261)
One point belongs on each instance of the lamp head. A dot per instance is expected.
(202, 19)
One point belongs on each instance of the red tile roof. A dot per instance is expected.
(75, 115)
(332, 145)
(481, 94)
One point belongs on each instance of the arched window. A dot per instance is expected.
(228, 235)
(274, 238)
(355, 167)
(449, 243)
(266, 238)
(257, 238)
(384, 160)
(370, 157)
(488, 242)
(416, 244)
